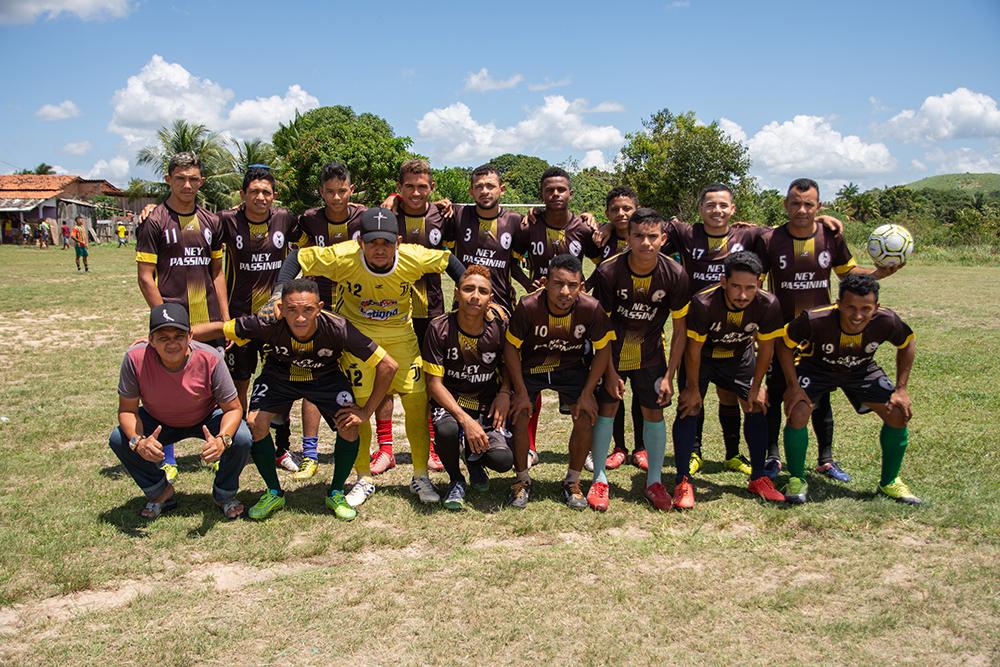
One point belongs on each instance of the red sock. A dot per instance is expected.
(430, 431)
(383, 431)
(533, 423)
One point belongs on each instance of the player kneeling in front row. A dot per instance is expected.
(303, 353)
(469, 392)
(841, 341)
(723, 323)
(549, 343)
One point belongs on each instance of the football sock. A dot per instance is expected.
(533, 422)
(638, 434)
(619, 428)
(282, 436)
(310, 447)
(383, 430)
(168, 455)
(684, 431)
(729, 419)
(262, 453)
(775, 395)
(363, 461)
(822, 423)
(755, 431)
(415, 411)
(796, 444)
(654, 435)
(893, 441)
(600, 442)
(344, 453)
(700, 426)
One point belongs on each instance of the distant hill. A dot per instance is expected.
(963, 182)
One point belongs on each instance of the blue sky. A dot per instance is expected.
(871, 92)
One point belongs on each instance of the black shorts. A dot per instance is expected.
(242, 360)
(568, 382)
(734, 374)
(867, 384)
(329, 393)
(645, 384)
(420, 325)
(498, 439)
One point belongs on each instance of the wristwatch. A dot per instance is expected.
(134, 442)
(227, 440)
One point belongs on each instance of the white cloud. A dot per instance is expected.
(555, 126)
(680, 4)
(163, 92)
(965, 159)
(77, 147)
(548, 85)
(595, 158)
(59, 169)
(62, 111)
(808, 145)
(960, 114)
(26, 11)
(877, 105)
(733, 130)
(482, 82)
(608, 106)
(115, 169)
(918, 165)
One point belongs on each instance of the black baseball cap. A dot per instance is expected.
(379, 223)
(169, 315)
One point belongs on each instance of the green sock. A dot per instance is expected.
(893, 441)
(262, 453)
(796, 444)
(344, 453)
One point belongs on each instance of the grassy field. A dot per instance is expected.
(846, 579)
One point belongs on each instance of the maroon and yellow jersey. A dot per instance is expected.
(254, 253)
(316, 229)
(823, 341)
(800, 268)
(702, 253)
(638, 306)
(182, 247)
(496, 243)
(295, 360)
(615, 245)
(426, 230)
(727, 333)
(468, 364)
(550, 342)
(545, 242)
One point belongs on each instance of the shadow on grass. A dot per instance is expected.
(126, 517)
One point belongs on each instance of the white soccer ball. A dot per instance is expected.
(890, 245)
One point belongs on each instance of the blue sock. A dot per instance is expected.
(603, 430)
(755, 431)
(685, 430)
(654, 434)
(168, 454)
(310, 447)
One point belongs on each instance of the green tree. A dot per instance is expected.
(590, 187)
(365, 143)
(521, 176)
(673, 157)
(217, 164)
(252, 151)
(451, 183)
(43, 169)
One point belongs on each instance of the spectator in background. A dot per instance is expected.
(79, 236)
(65, 235)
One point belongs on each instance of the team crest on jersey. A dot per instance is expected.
(505, 240)
(885, 383)
(208, 236)
(278, 239)
(871, 347)
(658, 296)
(325, 352)
(579, 330)
(575, 248)
(750, 328)
(434, 236)
(344, 398)
(824, 259)
(737, 247)
(488, 357)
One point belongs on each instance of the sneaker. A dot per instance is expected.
(764, 487)
(286, 461)
(796, 490)
(342, 509)
(738, 463)
(772, 466)
(479, 478)
(520, 493)
(597, 497)
(588, 464)
(573, 495)
(658, 496)
(898, 491)
(696, 464)
(307, 469)
(268, 504)
(382, 460)
(423, 488)
(834, 471)
(434, 461)
(640, 459)
(360, 492)
(532, 458)
(684, 495)
(455, 499)
(170, 470)
(615, 459)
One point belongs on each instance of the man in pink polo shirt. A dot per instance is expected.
(185, 391)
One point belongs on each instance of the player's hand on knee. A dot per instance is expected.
(689, 402)
(899, 404)
(757, 402)
(500, 409)
(585, 407)
(347, 418)
(794, 396)
(475, 436)
(666, 393)
(614, 385)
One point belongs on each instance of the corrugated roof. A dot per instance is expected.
(19, 203)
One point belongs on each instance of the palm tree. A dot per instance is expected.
(43, 169)
(217, 163)
(252, 151)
